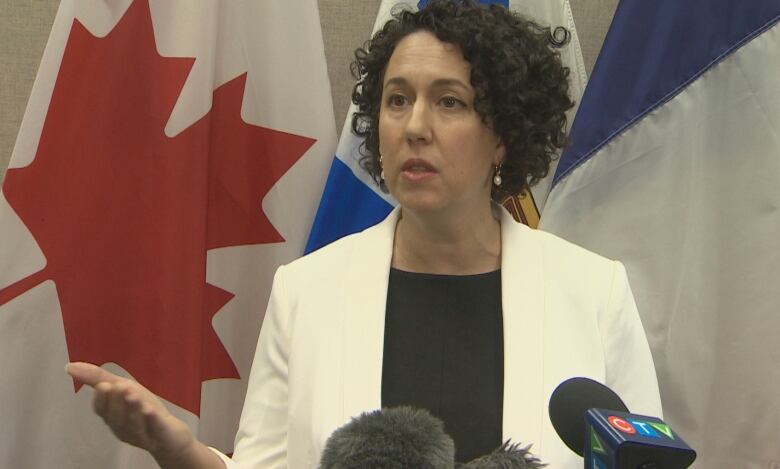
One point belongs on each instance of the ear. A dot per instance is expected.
(500, 154)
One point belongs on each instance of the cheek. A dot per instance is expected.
(385, 134)
(476, 155)
(469, 146)
(391, 140)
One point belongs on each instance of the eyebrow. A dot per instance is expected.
(440, 82)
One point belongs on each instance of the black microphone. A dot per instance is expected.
(507, 456)
(409, 438)
(397, 438)
(595, 423)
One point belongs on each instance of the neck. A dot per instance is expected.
(441, 244)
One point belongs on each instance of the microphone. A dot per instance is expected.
(507, 456)
(409, 438)
(595, 423)
(397, 438)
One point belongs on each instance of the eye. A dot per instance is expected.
(451, 102)
(396, 100)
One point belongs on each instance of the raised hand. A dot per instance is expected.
(138, 417)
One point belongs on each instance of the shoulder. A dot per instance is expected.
(564, 273)
(555, 252)
(338, 255)
(554, 245)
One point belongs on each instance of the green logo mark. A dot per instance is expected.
(663, 428)
(596, 444)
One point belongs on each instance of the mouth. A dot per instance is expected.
(417, 170)
(417, 166)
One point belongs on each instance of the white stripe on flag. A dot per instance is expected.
(688, 198)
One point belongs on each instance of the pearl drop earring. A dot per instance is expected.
(497, 175)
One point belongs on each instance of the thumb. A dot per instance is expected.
(90, 374)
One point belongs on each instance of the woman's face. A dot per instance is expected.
(437, 154)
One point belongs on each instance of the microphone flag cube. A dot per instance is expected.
(619, 440)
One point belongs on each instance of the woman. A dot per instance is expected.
(459, 309)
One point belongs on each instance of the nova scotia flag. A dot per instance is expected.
(675, 171)
(352, 201)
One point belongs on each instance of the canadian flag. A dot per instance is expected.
(172, 155)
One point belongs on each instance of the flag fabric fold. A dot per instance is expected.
(168, 161)
(675, 170)
(352, 201)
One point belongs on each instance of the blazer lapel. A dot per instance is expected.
(522, 292)
(364, 302)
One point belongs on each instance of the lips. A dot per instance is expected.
(417, 171)
(416, 165)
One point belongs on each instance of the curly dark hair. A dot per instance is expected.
(521, 88)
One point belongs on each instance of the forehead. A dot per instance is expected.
(421, 54)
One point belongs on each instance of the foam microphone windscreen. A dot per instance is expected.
(569, 402)
(508, 456)
(396, 438)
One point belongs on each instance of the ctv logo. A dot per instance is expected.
(635, 426)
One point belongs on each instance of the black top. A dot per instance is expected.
(444, 352)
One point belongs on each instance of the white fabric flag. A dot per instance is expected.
(675, 170)
(171, 156)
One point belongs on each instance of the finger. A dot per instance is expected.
(154, 421)
(158, 426)
(135, 405)
(134, 415)
(90, 374)
(100, 401)
(117, 409)
(136, 419)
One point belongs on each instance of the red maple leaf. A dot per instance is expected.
(124, 214)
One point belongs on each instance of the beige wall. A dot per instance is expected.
(24, 29)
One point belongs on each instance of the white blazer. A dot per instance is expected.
(567, 312)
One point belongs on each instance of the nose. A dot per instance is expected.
(418, 125)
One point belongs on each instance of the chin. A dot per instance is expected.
(419, 204)
(429, 201)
